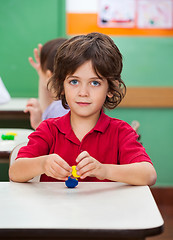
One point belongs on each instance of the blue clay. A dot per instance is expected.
(71, 182)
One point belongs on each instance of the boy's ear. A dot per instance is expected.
(48, 73)
(109, 94)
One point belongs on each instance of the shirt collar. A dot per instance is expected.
(63, 123)
(102, 123)
(64, 126)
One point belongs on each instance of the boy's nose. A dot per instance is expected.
(83, 91)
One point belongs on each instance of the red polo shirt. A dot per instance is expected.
(111, 141)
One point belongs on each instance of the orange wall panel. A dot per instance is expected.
(87, 22)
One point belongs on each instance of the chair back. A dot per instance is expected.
(135, 125)
(13, 156)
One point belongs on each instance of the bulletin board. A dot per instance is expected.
(123, 17)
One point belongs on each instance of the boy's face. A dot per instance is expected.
(85, 93)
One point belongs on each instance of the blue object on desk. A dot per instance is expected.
(71, 182)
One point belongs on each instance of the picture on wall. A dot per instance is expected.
(119, 13)
(135, 13)
(120, 17)
(155, 14)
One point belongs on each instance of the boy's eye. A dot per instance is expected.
(95, 83)
(74, 82)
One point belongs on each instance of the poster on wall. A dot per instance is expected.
(155, 14)
(139, 13)
(117, 14)
(120, 17)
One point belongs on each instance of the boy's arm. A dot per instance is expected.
(142, 173)
(24, 169)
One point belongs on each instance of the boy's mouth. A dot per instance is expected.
(83, 103)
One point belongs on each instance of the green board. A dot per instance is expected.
(148, 61)
(24, 24)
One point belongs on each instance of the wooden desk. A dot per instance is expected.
(90, 211)
(12, 114)
(6, 146)
(14, 109)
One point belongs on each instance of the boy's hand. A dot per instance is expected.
(89, 166)
(54, 166)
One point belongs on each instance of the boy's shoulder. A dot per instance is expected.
(117, 122)
(52, 120)
(118, 125)
(53, 124)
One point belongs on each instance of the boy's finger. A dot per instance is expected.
(63, 163)
(88, 171)
(86, 168)
(82, 155)
(85, 161)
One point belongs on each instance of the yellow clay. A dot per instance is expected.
(74, 172)
(11, 133)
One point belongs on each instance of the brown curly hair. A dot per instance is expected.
(48, 53)
(106, 60)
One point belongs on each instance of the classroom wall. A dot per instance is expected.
(156, 130)
(148, 61)
(24, 24)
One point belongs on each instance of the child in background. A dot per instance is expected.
(45, 107)
(87, 78)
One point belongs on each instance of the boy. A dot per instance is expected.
(86, 77)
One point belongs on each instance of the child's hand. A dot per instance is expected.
(33, 107)
(54, 166)
(36, 64)
(89, 166)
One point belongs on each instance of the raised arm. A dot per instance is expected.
(33, 107)
(45, 97)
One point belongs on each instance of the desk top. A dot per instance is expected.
(6, 146)
(14, 110)
(91, 206)
(15, 104)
